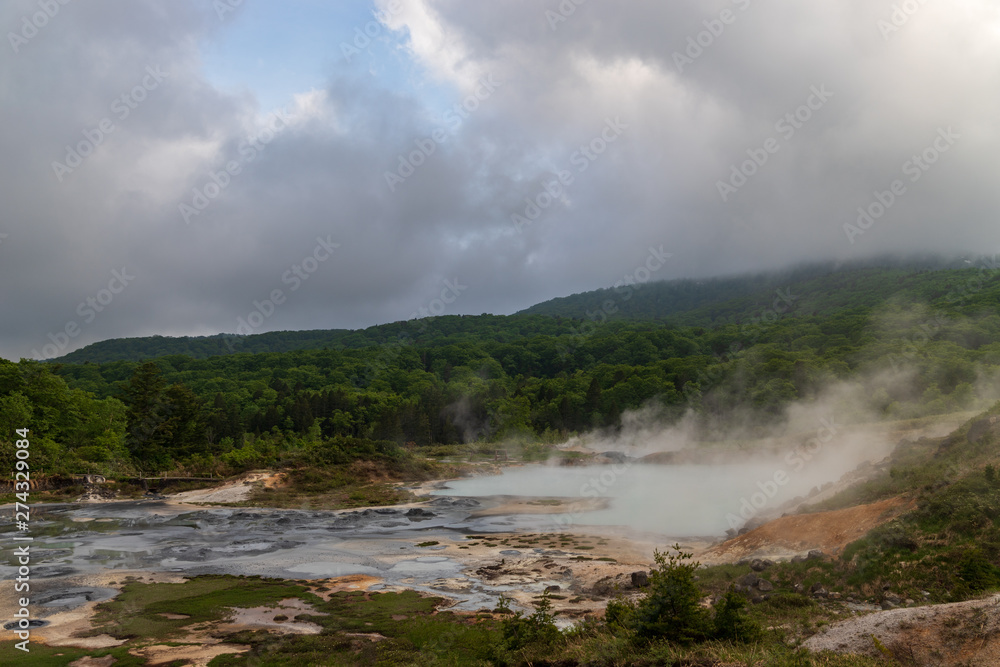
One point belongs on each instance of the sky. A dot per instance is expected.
(202, 166)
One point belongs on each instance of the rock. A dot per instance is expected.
(977, 430)
(798, 559)
(416, 511)
(798, 588)
(553, 589)
(818, 591)
(448, 501)
(640, 579)
(605, 586)
(763, 585)
(749, 580)
(815, 554)
(760, 564)
(888, 605)
(908, 601)
(753, 523)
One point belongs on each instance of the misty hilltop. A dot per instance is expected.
(964, 286)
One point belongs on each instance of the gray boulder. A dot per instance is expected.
(640, 579)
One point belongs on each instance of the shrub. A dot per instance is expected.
(732, 622)
(978, 573)
(670, 610)
(518, 631)
(619, 615)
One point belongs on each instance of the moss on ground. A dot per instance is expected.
(137, 613)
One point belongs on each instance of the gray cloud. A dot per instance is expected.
(682, 126)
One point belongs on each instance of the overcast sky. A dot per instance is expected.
(165, 165)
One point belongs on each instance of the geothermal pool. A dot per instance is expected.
(77, 546)
(672, 500)
(80, 549)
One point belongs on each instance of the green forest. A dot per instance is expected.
(922, 341)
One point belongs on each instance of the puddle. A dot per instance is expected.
(71, 598)
(32, 623)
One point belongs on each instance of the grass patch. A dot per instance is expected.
(413, 631)
(41, 655)
(137, 612)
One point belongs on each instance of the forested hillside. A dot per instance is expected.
(710, 303)
(817, 290)
(527, 378)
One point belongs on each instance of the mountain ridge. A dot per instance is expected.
(816, 289)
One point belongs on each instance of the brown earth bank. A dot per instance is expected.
(963, 634)
(792, 535)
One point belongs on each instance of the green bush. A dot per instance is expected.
(978, 573)
(732, 622)
(670, 610)
(537, 631)
(619, 615)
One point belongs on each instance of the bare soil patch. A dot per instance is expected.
(235, 491)
(791, 535)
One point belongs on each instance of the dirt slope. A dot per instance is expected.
(790, 535)
(944, 635)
